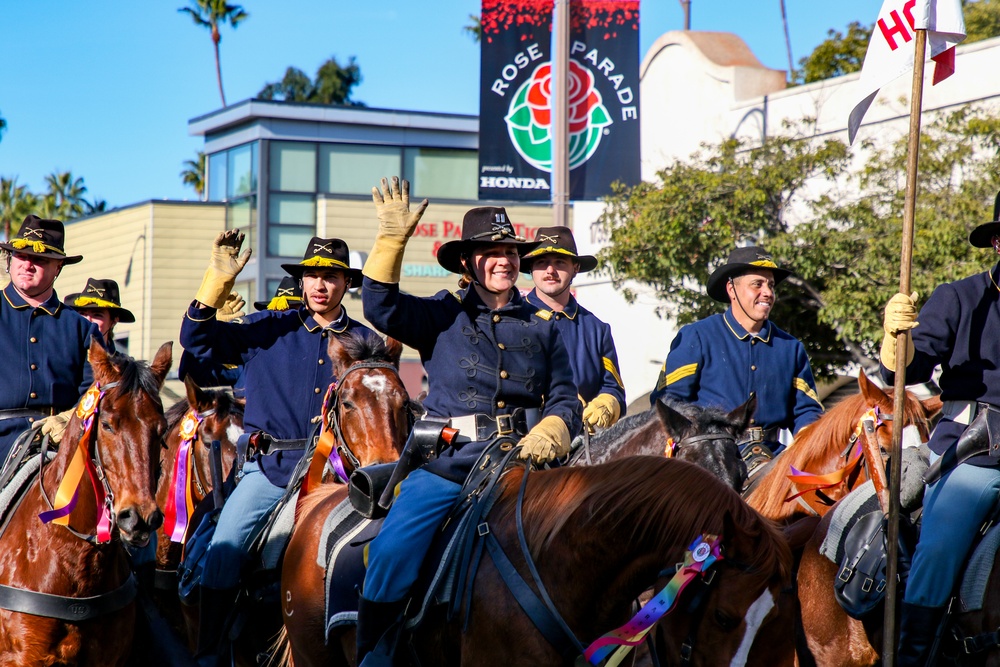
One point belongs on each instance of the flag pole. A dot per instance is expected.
(899, 391)
(559, 118)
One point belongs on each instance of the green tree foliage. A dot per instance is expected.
(3, 126)
(672, 233)
(333, 85)
(210, 14)
(982, 19)
(193, 174)
(63, 199)
(474, 28)
(16, 203)
(838, 54)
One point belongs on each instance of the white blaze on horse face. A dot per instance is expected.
(754, 619)
(233, 432)
(374, 383)
(911, 436)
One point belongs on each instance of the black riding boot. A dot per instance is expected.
(216, 609)
(374, 620)
(918, 626)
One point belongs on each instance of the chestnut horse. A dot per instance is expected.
(827, 446)
(86, 558)
(599, 536)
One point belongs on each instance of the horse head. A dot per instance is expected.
(127, 438)
(369, 410)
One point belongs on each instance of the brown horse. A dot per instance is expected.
(599, 536)
(73, 561)
(827, 446)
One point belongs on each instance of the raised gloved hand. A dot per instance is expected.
(546, 441)
(55, 425)
(225, 264)
(900, 315)
(396, 224)
(601, 412)
(232, 308)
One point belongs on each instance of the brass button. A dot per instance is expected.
(496, 318)
(33, 339)
(31, 420)
(504, 375)
(316, 390)
(324, 334)
(501, 346)
(501, 404)
(322, 361)
(34, 367)
(753, 341)
(753, 368)
(32, 395)
(753, 421)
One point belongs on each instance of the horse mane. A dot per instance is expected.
(644, 500)
(362, 345)
(134, 376)
(225, 403)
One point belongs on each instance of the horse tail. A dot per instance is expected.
(281, 650)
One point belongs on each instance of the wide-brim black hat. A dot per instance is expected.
(557, 241)
(982, 236)
(288, 295)
(100, 294)
(325, 254)
(485, 225)
(41, 238)
(740, 261)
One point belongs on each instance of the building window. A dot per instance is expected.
(293, 166)
(441, 173)
(354, 170)
(217, 177)
(248, 290)
(233, 173)
(242, 214)
(291, 223)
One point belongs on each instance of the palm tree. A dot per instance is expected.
(209, 14)
(16, 202)
(67, 195)
(193, 174)
(3, 126)
(332, 86)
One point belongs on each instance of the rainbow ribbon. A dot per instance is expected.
(701, 555)
(69, 488)
(175, 522)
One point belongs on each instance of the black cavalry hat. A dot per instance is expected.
(100, 294)
(982, 235)
(41, 238)
(325, 254)
(481, 226)
(557, 241)
(740, 261)
(288, 295)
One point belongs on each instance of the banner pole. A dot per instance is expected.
(899, 390)
(560, 113)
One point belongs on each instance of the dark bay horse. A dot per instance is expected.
(703, 436)
(826, 447)
(599, 536)
(121, 447)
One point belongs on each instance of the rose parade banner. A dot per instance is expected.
(515, 129)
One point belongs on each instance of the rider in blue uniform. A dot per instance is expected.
(287, 371)
(100, 302)
(44, 343)
(553, 265)
(956, 331)
(724, 359)
(486, 355)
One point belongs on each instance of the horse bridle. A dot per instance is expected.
(200, 484)
(674, 447)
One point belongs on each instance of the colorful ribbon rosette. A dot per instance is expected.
(180, 502)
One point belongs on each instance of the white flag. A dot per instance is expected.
(890, 51)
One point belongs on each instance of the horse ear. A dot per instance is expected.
(676, 424)
(100, 364)
(197, 398)
(873, 394)
(339, 356)
(394, 349)
(162, 362)
(741, 416)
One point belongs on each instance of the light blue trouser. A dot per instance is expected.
(242, 518)
(395, 556)
(954, 509)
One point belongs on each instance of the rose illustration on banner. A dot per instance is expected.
(529, 118)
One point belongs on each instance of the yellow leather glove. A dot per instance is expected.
(54, 425)
(225, 264)
(900, 315)
(601, 412)
(546, 441)
(396, 224)
(232, 308)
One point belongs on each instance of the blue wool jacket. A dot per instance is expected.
(286, 370)
(592, 353)
(44, 359)
(477, 360)
(716, 362)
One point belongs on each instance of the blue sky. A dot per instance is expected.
(105, 89)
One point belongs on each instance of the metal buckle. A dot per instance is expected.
(845, 574)
(505, 424)
(756, 433)
(867, 586)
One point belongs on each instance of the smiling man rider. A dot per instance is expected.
(725, 358)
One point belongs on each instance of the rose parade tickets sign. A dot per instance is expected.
(515, 118)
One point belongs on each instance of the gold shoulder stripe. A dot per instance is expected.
(681, 373)
(804, 387)
(609, 366)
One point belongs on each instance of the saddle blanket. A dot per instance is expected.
(977, 571)
(856, 504)
(341, 553)
(12, 494)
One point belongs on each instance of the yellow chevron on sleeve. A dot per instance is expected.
(804, 387)
(681, 373)
(609, 366)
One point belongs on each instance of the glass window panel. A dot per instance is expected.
(247, 290)
(292, 210)
(241, 180)
(242, 214)
(254, 165)
(293, 166)
(354, 170)
(217, 177)
(442, 173)
(288, 240)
